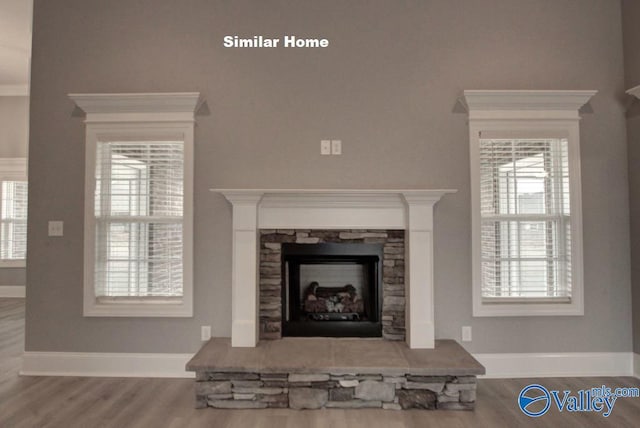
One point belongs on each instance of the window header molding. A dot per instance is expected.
(635, 91)
(138, 107)
(15, 168)
(525, 104)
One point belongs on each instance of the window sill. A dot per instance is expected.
(138, 308)
(12, 264)
(525, 300)
(521, 309)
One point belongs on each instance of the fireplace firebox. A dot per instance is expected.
(332, 289)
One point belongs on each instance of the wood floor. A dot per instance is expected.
(110, 402)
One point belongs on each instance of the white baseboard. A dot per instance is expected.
(90, 364)
(564, 364)
(93, 364)
(12, 291)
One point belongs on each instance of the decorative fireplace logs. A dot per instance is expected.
(324, 302)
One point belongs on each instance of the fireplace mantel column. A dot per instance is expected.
(244, 274)
(420, 326)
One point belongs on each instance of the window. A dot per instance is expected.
(526, 202)
(138, 208)
(139, 215)
(525, 219)
(13, 220)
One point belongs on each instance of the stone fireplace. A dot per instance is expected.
(332, 283)
(401, 221)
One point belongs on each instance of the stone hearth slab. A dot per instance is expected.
(335, 355)
(312, 373)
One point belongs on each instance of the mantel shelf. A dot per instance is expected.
(336, 191)
(295, 197)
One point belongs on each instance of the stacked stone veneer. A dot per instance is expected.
(325, 390)
(393, 297)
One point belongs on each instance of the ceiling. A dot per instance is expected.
(15, 46)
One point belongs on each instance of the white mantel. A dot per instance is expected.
(408, 209)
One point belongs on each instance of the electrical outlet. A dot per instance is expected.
(466, 333)
(205, 332)
(56, 228)
(336, 147)
(325, 147)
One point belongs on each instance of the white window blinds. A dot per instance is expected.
(13, 233)
(525, 219)
(139, 196)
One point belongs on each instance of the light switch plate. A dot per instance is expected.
(325, 147)
(205, 332)
(466, 333)
(56, 228)
(336, 147)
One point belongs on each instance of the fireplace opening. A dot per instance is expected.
(332, 289)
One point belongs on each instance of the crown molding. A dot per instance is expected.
(159, 107)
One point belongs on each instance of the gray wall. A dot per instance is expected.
(631, 29)
(386, 87)
(14, 131)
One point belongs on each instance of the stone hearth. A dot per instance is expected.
(313, 373)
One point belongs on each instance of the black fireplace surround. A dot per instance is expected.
(320, 306)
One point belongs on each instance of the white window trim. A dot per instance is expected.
(143, 116)
(527, 114)
(13, 169)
